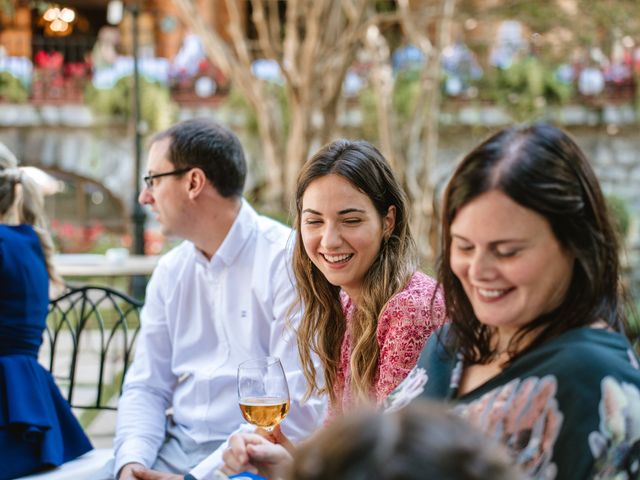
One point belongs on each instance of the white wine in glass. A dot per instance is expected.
(263, 392)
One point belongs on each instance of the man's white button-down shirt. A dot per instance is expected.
(202, 318)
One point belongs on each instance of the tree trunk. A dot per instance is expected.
(423, 214)
(297, 143)
(272, 153)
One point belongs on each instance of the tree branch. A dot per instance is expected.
(382, 83)
(265, 39)
(413, 32)
(338, 58)
(265, 36)
(291, 42)
(237, 34)
(309, 48)
(217, 49)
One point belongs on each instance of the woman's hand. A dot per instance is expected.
(127, 472)
(251, 452)
(276, 436)
(146, 474)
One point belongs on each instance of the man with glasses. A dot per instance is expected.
(222, 296)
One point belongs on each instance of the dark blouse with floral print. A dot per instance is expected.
(568, 410)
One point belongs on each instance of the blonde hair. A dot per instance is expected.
(22, 202)
(323, 325)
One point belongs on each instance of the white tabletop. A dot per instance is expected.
(85, 466)
(92, 265)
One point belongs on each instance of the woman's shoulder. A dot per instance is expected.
(422, 281)
(420, 298)
(16, 231)
(436, 351)
(584, 356)
(586, 345)
(421, 289)
(439, 363)
(17, 237)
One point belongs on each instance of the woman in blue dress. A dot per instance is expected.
(37, 428)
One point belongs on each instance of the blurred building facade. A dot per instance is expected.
(64, 64)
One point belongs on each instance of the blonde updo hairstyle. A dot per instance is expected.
(22, 202)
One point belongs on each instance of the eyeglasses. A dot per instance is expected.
(148, 179)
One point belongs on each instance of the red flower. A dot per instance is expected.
(53, 60)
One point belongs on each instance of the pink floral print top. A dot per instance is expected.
(407, 321)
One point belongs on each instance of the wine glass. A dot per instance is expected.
(263, 392)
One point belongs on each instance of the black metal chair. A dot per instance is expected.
(88, 344)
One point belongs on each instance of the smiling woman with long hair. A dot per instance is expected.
(367, 310)
(536, 354)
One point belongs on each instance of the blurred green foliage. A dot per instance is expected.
(619, 211)
(406, 88)
(157, 108)
(237, 104)
(7, 8)
(12, 89)
(621, 217)
(526, 88)
(633, 323)
(105, 241)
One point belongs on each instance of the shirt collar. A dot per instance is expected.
(241, 230)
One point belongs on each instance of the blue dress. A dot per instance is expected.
(37, 428)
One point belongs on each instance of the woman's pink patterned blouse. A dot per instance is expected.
(408, 319)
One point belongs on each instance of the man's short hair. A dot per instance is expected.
(213, 148)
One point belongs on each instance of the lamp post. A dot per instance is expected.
(138, 215)
(115, 10)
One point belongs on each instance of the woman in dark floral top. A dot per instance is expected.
(535, 354)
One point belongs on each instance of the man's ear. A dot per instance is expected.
(197, 181)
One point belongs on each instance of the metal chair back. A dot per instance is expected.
(88, 344)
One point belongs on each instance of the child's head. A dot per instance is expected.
(420, 441)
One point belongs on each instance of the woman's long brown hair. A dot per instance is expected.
(323, 325)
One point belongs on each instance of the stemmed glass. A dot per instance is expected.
(263, 393)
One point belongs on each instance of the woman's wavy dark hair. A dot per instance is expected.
(541, 168)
